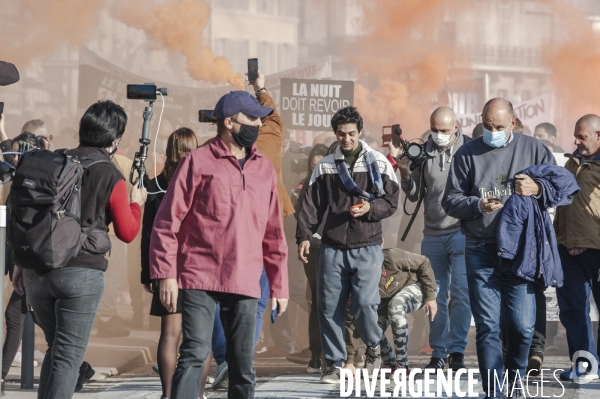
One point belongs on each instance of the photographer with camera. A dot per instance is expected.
(443, 243)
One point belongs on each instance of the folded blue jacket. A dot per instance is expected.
(525, 233)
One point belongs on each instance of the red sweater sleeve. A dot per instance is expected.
(392, 161)
(125, 216)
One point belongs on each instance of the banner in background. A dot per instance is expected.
(531, 113)
(310, 104)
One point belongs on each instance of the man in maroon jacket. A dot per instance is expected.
(219, 223)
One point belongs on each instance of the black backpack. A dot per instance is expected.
(45, 209)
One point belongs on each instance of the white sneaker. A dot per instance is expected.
(39, 356)
(19, 359)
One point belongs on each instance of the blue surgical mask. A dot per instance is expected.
(494, 139)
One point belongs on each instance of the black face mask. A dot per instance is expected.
(246, 136)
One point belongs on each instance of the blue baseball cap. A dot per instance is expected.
(240, 101)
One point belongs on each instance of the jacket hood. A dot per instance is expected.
(579, 159)
(339, 155)
(433, 150)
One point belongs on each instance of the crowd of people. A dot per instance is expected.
(216, 226)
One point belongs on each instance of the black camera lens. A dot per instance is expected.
(414, 150)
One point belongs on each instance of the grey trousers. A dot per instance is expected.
(339, 273)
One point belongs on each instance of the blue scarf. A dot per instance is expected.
(372, 168)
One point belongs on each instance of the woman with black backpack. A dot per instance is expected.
(65, 300)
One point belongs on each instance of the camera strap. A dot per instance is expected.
(420, 198)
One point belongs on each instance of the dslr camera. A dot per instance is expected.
(415, 151)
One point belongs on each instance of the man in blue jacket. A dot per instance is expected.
(483, 176)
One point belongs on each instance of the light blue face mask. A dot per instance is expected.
(494, 139)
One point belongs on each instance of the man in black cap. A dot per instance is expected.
(219, 224)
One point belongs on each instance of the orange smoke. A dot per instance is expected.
(43, 26)
(178, 25)
(401, 46)
(574, 60)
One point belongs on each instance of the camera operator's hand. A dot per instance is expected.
(259, 83)
(303, 250)
(404, 167)
(169, 290)
(488, 205)
(394, 151)
(138, 195)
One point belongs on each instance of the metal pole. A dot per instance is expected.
(2, 264)
(27, 347)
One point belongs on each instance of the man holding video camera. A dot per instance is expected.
(218, 226)
(443, 243)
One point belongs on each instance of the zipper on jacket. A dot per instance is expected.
(243, 181)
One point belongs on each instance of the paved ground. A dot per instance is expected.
(278, 378)
(123, 370)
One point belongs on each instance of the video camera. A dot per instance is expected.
(147, 92)
(415, 151)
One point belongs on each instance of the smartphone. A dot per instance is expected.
(357, 206)
(494, 199)
(207, 116)
(252, 69)
(1, 107)
(141, 92)
(274, 314)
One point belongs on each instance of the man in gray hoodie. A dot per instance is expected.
(443, 243)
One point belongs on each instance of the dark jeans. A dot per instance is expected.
(219, 343)
(581, 277)
(496, 293)
(16, 310)
(65, 302)
(238, 314)
(314, 331)
(538, 343)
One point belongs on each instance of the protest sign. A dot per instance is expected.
(531, 113)
(309, 104)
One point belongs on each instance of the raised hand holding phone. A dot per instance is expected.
(252, 69)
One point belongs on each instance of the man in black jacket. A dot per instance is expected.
(357, 188)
